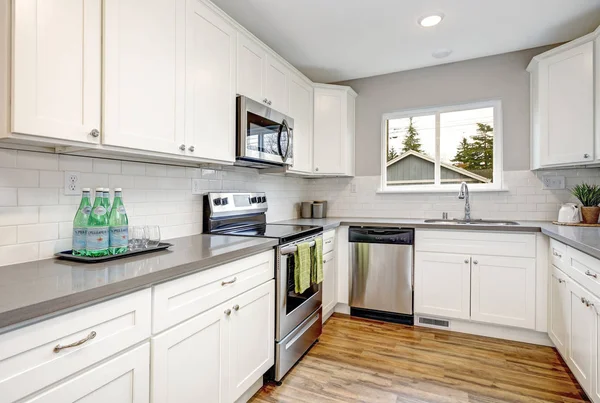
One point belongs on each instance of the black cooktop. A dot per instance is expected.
(285, 233)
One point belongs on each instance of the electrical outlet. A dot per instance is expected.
(553, 182)
(197, 186)
(353, 188)
(72, 184)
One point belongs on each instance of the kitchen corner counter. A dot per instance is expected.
(36, 290)
(585, 239)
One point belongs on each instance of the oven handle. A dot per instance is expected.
(288, 250)
(283, 125)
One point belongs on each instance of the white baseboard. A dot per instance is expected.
(495, 331)
(342, 308)
(251, 391)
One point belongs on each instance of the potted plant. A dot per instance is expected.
(589, 196)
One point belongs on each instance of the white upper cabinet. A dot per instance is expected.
(276, 85)
(334, 130)
(301, 110)
(144, 74)
(57, 69)
(562, 91)
(210, 84)
(251, 67)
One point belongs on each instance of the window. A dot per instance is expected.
(438, 148)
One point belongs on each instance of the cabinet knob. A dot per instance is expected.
(192, 148)
(467, 261)
(266, 101)
(317, 169)
(269, 102)
(586, 156)
(182, 147)
(236, 307)
(227, 312)
(475, 262)
(560, 281)
(95, 133)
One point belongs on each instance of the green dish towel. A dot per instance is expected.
(302, 268)
(316, 273)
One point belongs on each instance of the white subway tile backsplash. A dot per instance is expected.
(106, 166)
(8, 235)
(8, 197)
(77, 164)
(65, 229)
(121, 181)
(57, 213)
(176, 172)
(19, 178)
(8, 158)
(37, 196)
(18, 215)
(93, 180)
(19, 253)
(49, 248)
(37, 232)
(34, 160)
(133, 168)
(52, 179)
(156, 170)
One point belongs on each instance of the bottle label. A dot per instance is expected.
(86, 210)
(119, 237)
(79, 238)
(121, 209)
(100, 210)
(97, 238)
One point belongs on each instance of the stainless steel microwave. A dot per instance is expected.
(264, 136)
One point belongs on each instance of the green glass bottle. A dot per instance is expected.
(118, 225)
(80, 223)
(97, 228)
(106, 200)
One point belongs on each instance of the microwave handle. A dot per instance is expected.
(283, 126)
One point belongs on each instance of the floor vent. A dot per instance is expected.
(434, 322)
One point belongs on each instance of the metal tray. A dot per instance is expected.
(68, 254)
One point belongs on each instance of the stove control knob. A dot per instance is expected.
(255, 200)
(263, 199)
(217, 201)
(224, 201)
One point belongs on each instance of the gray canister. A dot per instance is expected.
(306, 210)
(324, 203)
(317, 210)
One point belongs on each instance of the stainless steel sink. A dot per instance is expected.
(471, 222)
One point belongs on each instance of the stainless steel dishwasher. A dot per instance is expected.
(382, 273)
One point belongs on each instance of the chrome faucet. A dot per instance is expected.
(464, 194)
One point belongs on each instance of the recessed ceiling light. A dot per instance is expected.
(441, 53)
(431, 20)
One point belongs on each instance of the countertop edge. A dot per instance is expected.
(572, 243)
(44, 310)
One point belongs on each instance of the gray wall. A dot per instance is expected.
(495, 77)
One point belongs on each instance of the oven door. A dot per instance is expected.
(293, 308)
(263, 133)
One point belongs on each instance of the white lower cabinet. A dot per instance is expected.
(581, 330)
(218, 354)
(442, 284)
(329, 283)
(503, 290)
(558, 312)
(595, 394)
(124, 379)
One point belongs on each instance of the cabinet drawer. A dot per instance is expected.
(328, 241)
(29, 360)
(558, 254)
(584, 269)
(178, 300)
(476, 243)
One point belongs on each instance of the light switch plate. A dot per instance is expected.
(553, 182)
(197, 186)
(72, 183)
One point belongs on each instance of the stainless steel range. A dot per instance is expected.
(298, 317)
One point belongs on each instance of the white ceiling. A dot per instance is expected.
(335, 40)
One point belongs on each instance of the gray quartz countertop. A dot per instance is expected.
(36, 290)
(585, 239)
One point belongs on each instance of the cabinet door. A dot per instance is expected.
(595, 394)
(124, 379)
(566, 91)
(210, 84)
(251, 68)
(252, 343)
(56, 70)
(144, 74)
(301, 109)
(329, 285)
(581, 331)
(442, 285)
(558, 314)
(503, 290)
(276, 85)
(191, 360)
(329, 132)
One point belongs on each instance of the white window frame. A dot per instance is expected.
(497, 182)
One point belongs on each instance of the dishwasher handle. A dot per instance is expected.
(394, 236)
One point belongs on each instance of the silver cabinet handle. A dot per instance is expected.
(182, 147)
(589, 273)
(475, 262)
(467, 261)
(224, 283)
(77, 343)
(95, 133)
(586, 156)
(555, 253)
(227, 312)
(192, 148)
(328, 241)
(236, 307)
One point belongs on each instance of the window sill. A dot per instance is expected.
(421, 189)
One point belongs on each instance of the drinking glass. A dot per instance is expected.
(136, 237)
(131, 241)
(153, 235)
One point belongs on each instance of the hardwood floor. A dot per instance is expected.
(367, 361)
